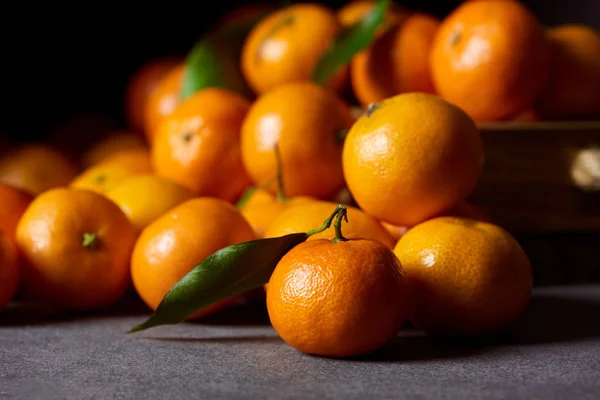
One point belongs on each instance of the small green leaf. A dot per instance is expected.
(204, 68)
(351, 41)
(230, 271)
(247, 195)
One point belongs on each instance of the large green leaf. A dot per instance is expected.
(351, 41)
(230, 271)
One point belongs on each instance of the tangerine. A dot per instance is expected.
(491, 58)
(110, 145)
(198, 146)
(412, 157)
(306, 121)
(103, 177)
(397, 62)
(37, 167)
(163, 100)
(75, 247)
(175, 243)
(286, 45)
(141, 85)
(573, 90)
(466, 276)
(144, 198)
(338, 298)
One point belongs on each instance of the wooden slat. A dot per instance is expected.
(527, 183)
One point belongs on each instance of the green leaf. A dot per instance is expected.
(351, 41)
(247, 195)
(230, 271)
(204, 68)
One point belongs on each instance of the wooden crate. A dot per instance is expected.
(541, 177)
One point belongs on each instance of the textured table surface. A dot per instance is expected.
(553, 353)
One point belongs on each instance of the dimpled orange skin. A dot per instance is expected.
(141, 85)
(305, 121)
(412, 157)
(36, 168)
(286, 46)
(338, 299)
(198, 146)
(105, 176)
(491, 58)
(261, 215)
(175, 243)
(397, 62)
(573, 90)
(13, 203)
(9, 270)
(466, 276)
(58, 267)
(310, 215)
(163, 100)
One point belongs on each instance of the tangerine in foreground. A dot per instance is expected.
(75, 247)
(466, 276)
(338, 298)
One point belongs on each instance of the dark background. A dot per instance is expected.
(58, 61)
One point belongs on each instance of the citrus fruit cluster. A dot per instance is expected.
(246, 165)
(479, 60)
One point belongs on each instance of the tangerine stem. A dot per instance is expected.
(337, 225)
(90, 240)
(280, 190)
(327, 224)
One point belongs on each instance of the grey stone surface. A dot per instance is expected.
(553, 353)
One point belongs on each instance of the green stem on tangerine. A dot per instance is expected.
(341, 212)
(337, 225)
(90, 240)
(280, 189)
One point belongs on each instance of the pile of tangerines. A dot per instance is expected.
(191, 176)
